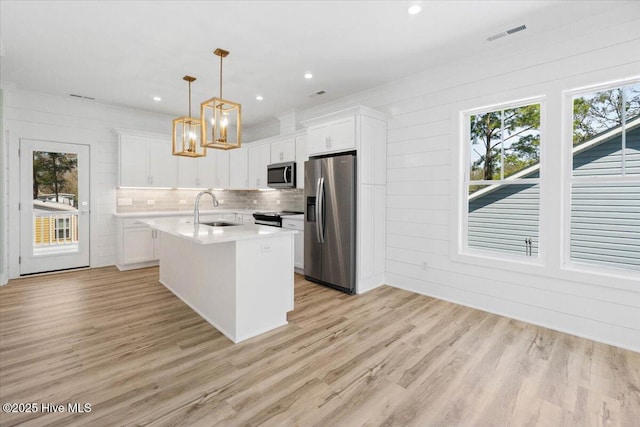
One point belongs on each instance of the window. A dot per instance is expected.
(605, 178)
(63, 229)
(503, 180)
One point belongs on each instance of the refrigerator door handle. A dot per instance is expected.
(318, 210)
(320, 218)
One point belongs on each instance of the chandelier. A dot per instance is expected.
(220, 122)
(187, 133)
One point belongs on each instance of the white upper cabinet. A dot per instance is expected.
(333, 136)
(146, 161)
(259, 159)
(221, 168)
(188, 172)
(206, 170)
(134, 159)
(239, 169)
(283, 151)
(162, 164)
(372, 152)
(211, 171)
(302, 155)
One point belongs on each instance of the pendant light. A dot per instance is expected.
(220, 118)
(187, 133)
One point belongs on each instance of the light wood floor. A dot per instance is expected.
(123, 343)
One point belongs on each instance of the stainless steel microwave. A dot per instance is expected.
(281, 175)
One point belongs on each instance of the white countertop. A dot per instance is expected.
(205, 234)
(186, 212)
(299, 217)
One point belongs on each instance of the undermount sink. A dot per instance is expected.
(219, 223)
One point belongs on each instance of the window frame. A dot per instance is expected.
(568, 179)
(476, 255)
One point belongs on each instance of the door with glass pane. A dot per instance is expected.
(54, 206)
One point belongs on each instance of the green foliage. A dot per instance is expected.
(505, 142)
(601, 111)
(53, 172)
(515, 132)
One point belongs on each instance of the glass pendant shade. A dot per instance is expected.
(221, 119)
(187, 133)
(221, 126)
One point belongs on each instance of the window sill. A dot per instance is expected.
(580, 273)
(532, 265)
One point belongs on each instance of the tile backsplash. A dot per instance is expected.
(153, 200)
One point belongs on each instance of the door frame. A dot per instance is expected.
(54, 262)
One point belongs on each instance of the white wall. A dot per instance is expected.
(4, 271)
(423, 177)
(38, 116)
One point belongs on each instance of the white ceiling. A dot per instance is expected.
(126, 52)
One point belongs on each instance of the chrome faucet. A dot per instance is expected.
(196, 208)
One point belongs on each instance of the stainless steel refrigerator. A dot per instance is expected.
(330, 221)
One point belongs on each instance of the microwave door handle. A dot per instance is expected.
(284, 175)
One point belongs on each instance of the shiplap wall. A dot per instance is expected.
(424, 184)
(32, 115)
(4, 270)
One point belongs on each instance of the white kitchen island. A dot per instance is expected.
(239, 278)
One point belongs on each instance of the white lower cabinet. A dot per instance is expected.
(298, 253)
(139, 245)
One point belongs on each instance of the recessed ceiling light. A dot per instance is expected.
(414, 10)
(259, 98)
(157, 98)
(308, 76)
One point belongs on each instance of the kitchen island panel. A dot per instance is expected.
(264, 274)
(243, 288)
(203, 276)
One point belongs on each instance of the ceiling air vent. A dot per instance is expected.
(507, 33)
(318, 93)
(82, 97)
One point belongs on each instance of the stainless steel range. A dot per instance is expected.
(273, 219)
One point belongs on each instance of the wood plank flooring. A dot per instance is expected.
(124, 344)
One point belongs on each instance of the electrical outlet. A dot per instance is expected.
(255, 202)
(425, 266)
(125, 202)
(265, 249)
(183, 202)
(277, 202)
(151, 202)
(221, 201)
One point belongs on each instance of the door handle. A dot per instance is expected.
(320, 217)
(318, 211)
(284, 175)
